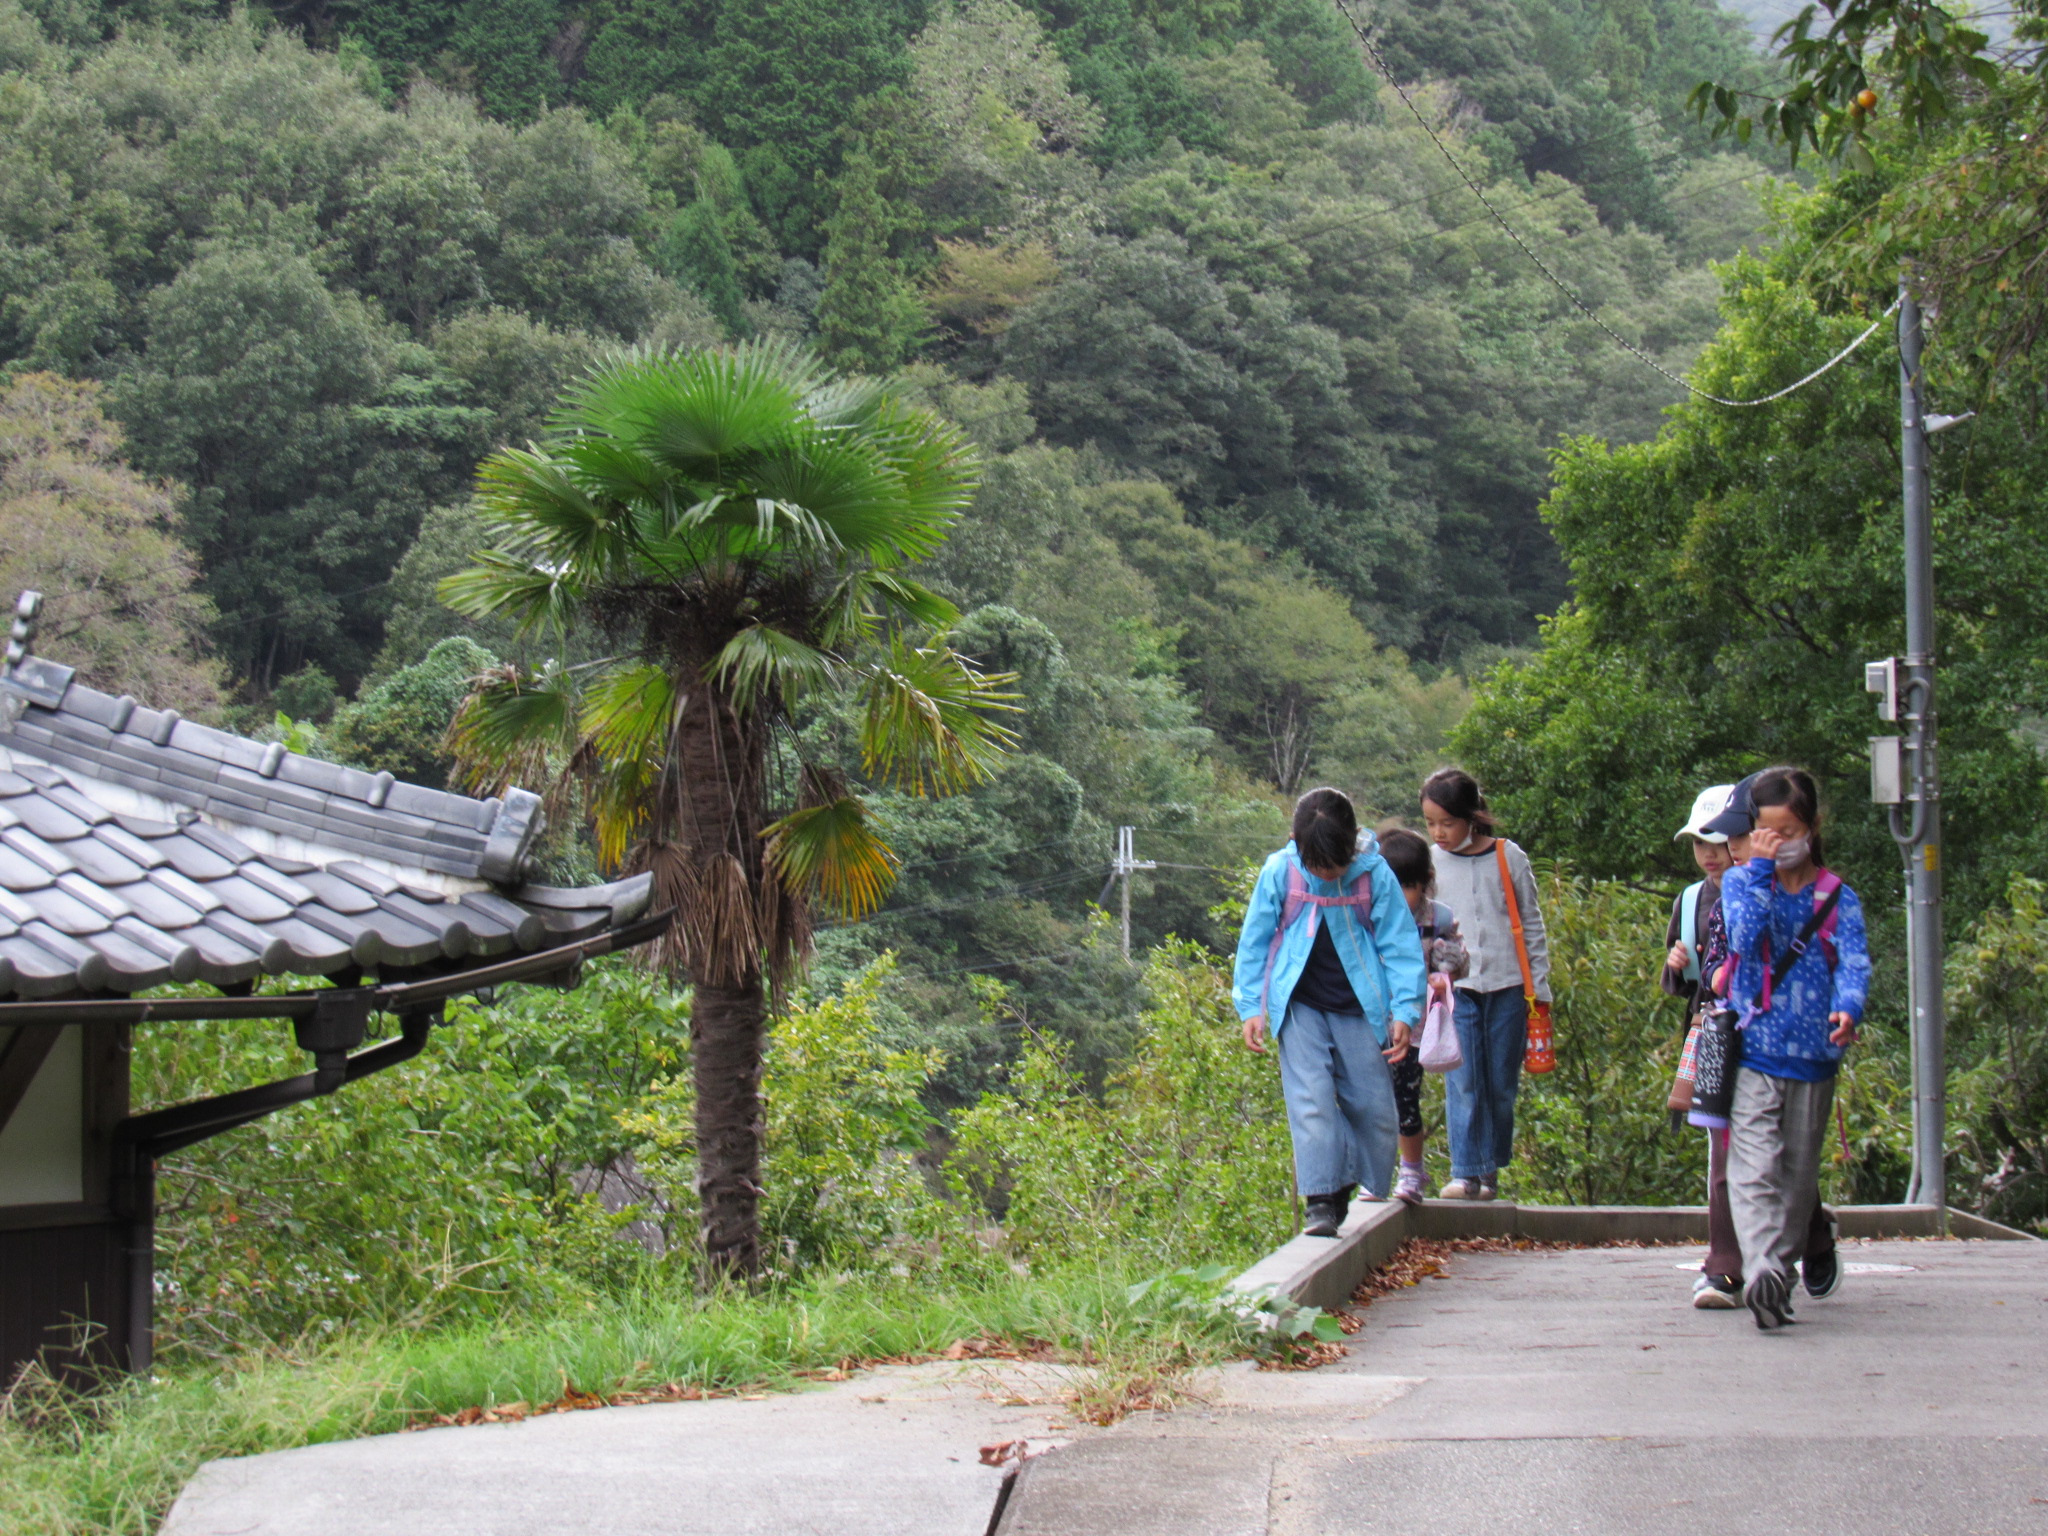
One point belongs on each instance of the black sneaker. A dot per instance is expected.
(1822, 1272)
(1716, 1293)
(1767, 1299)
(1325, 1216)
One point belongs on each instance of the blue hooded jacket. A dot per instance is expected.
(1383, 960)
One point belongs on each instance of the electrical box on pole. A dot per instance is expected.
(1882, 679)
(1887, 770)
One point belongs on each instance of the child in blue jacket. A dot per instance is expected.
(1330, 962)
(1797, 1022)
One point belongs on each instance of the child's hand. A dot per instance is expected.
(1844, 1032)
(1397, 1037)
(1763, 843)
(1440, 987)
(1679, 958)
(1255, 1033)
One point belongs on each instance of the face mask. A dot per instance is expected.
(1465, 844)
(1792, 852)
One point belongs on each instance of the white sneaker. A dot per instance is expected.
(1487, 1191)
(1408, 1189)
(1461, 1189)
(1713, 1293)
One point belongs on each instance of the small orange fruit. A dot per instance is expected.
(1866, 99)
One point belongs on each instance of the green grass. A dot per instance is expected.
(111, 1464)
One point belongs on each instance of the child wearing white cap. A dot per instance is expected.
(1696, 942)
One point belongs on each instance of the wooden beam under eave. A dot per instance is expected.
(21, 1058)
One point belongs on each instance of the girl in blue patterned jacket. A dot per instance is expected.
(1801, 970)
(1331, 961)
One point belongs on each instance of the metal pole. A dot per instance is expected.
(1124, 855)
(1920, 837)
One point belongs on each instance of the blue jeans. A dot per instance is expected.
(1340, 1101)
(1479, 1097)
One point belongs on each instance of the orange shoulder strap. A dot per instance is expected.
(1507, 886)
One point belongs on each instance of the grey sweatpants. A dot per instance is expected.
(1774, 1138)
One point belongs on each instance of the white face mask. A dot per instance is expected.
(1792, 852)
(1468, 839)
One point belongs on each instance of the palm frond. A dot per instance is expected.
(537, 502)
(761, 660)
(535, 597)
(928, 726)
(628, 711)
(512, 728)
(830, 854)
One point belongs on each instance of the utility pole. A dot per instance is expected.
(1121, 867)
(1904, 775)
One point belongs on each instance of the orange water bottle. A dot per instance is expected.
(1540, 1055)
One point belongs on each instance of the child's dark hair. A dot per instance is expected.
(1326, 829)
(1456, 792)
(1794, 789)
(1407, 855)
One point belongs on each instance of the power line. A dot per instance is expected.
(1380, 63)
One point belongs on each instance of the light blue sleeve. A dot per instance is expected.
(1255, 940)
(1852, 957)
(1400, 945)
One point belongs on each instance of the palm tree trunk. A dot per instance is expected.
(728, 1027)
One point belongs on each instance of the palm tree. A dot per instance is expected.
(734, 524)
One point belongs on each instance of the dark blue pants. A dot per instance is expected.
(1479, 1097)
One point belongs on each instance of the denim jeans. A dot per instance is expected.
(1479, 1097)
(1340, 1102)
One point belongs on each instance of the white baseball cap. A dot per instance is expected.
(1709, 804)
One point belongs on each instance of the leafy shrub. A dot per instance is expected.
(1998, 1099)
(844, 1117)
(1185, 1155)
(444, 1187)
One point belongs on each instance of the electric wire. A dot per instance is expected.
(1386, 72)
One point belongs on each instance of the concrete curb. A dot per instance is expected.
(1323, 1272)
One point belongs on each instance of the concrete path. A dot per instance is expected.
(1533, 1393)
(1555, 1392)
(890, 1453)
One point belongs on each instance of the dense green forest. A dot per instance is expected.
(1263, 399)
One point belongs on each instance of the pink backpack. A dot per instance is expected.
(1300, 898)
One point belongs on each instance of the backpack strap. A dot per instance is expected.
(1689, 927)
(1828, 898)
(1300, 898)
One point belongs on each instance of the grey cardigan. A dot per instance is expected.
(1470, 884)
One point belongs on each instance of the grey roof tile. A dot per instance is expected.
(143, 826)
(160, 908)
(249, 901)
(67, 914)
(132, 848)
(272, 951)
(23, 841)
(175, 950)
(233, 849)
(101, 862)
(188, 891)
(337, 894)
(47, 819)
(283, 886)
(130, 967)
(20, 873)
(193, 859)
(87, 962)
(223, 962)
(92, 899)
(96, 896)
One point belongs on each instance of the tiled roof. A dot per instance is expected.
(137, 848)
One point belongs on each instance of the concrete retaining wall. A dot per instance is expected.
(1323, 1272)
